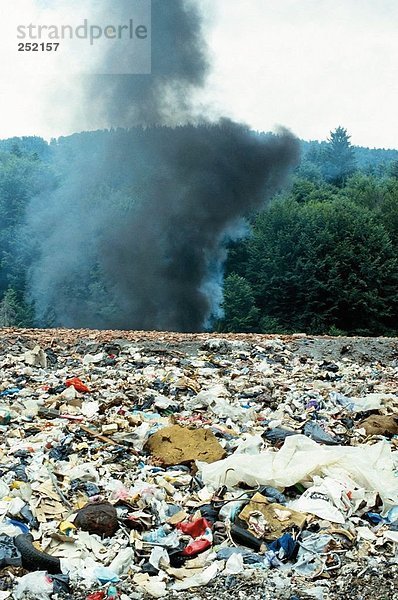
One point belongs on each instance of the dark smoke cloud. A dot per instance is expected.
(174, 241)
(149, 212)
(135, 234)
(179, 66)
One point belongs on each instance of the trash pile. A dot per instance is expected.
(170, 466)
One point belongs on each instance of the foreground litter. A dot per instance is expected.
(161, 465)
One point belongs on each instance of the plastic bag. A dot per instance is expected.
(310, 559)
(316, 433)
(216, 399)
(198, 580)
(249, 444)
(159, 558)
(278, 434)
(320, 507)
(272, 494)
(234, 565)
(327, 499)
(105, 574)
(4, 489)
(194, 528)
(201, 532)
(77, 384)
(154, 587)
(284, 547)
(299, 459)
(392, 515)
(368, 402)
(36, 585)
(122, 561)
(160, 536)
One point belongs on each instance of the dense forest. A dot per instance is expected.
(322, 257)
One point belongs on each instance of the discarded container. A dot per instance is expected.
(243, 536)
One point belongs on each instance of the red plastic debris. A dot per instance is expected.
(194, 528)
(96, 596)
(196, 547)
(200, 530)
(77, 384)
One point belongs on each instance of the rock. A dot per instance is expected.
(178, 445)
(99, 518)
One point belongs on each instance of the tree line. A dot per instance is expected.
(321, 258)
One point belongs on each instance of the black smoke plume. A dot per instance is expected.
(179, 66)
(134, 235)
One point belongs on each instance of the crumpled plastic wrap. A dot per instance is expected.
(299, 459)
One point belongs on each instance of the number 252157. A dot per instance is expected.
(35, 47)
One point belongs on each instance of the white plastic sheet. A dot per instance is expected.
(234, 565)
(328, 499)
(34, 585)
(300, 459)
(372, 401)
(199, 579)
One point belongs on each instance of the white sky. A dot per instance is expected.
(310, 65)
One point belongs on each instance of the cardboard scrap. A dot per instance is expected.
(176, 445)
(187, 383)
(380, 425)
(270, 521)
(179, 517)
(48, 510)
(47, 489)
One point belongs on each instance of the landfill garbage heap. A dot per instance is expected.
(138, 464)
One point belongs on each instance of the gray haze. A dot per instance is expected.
(179, 67)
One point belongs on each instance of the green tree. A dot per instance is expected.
(393, 169)
(364, 190)
(8, 309)
(339, 157)
(305, 191)
(14, 311)
(389, 208)
(240, 311)
(319, 265)
(22, 178)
